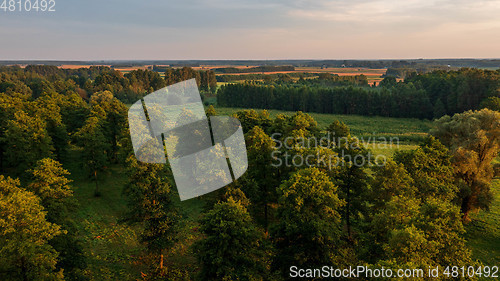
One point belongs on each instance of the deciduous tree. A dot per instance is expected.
(26, 141)
(308, 231)
(25, 252)
(95, 148)
(232, 247)
(473, 138)
(150, 200)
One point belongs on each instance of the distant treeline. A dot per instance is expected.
(264, 77)
(128, 88)
(404, 72)
(414, 63)
(401, 72)
(205, 78)
(337, 100)
(304, 78)
(490, 63)
(421, 96)
(160, 68)
(329, 80)
(266, 68)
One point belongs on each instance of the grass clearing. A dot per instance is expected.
(483, 233)
(407, 130)
(111, 247)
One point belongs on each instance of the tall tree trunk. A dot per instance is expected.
(265, 215)
(96, 192)
(348, 205)
(161, 261)
(1, 159)
(114, 148)
(24, 270)
(465, 209)
(348, 214)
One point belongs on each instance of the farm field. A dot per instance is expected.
(373, 75)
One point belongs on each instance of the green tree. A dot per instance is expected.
(260, 149)
(390, 180)
(9, 105)
(74, 112)
(50, 183)
(411, 227)
(251, 118)
(27, 141)
(418, 234)
(24, 234)
(232, 246)
(113, 118)
(308, 232)
(389, 81)
(150, 200)
(473, 140)
(439, 109)
(211, 111)
(95, 147)
(47, 106)
(390, 183)
(492, 103)
(430, 167)
(352, 176)
(337, 131)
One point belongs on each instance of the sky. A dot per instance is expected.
(253, 29)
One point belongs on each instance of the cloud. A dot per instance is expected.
(258, 29)
(383, 11)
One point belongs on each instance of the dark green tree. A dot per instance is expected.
(412, 227)
(492, 103)
(211, 111)
(352, 176)
(25, 233)
(113, 118)
(260, 149)
(95, 148)
(50, 183)
(26, 141)
(308, 230)
(232, 245)
(150, 199)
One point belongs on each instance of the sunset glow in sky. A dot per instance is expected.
(253, 29)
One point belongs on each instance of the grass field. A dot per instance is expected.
(408, 131)
(483, 233)
(111, 247)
